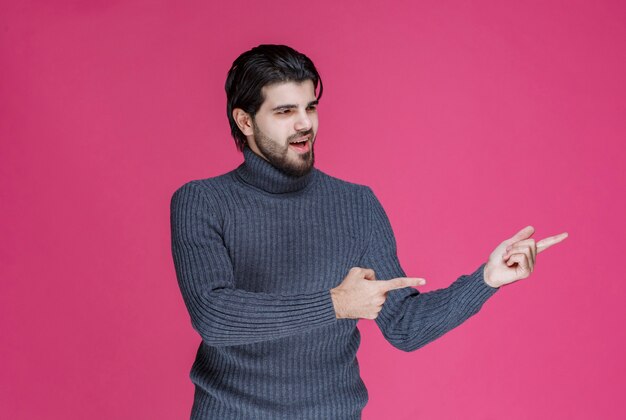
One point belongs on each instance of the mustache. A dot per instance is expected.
(301, 134)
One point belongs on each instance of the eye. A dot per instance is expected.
(312, 108)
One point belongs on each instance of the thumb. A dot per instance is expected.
(525, 233)
(369, 274)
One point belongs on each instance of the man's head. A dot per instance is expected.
(271, 103)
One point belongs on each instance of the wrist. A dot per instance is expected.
(335, 298)
(488, 277)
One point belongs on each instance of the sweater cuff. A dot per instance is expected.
(323, 309)
(480, 290)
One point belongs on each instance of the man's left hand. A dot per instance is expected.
(514, 259)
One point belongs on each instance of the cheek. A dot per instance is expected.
(275, 130)
(314, 122)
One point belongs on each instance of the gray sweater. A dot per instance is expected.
(256, 253)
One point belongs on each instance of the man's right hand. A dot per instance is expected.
(360, 295)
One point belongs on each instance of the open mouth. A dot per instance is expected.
(302, 145)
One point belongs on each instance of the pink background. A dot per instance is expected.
(468, 121)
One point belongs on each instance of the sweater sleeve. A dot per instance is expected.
(222, 314)
(410, 319)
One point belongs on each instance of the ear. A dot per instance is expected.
(244, 121)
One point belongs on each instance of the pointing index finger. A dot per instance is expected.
(546, 243)
(401, 282)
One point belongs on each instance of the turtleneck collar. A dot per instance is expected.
(259, 173)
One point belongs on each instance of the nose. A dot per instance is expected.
(303, 122)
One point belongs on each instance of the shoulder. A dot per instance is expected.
(350, 193)
(340, 185)
(204, 189)
(359, 194)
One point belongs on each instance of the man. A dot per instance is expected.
(277, 261)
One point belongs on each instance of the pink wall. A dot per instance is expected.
(468, 121)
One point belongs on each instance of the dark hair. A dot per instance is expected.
(261, 66)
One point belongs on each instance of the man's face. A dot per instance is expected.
(285, 126)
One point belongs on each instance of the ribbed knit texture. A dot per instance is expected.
(256, 253)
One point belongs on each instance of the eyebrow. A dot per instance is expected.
(292, 106)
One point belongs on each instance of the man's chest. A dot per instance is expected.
(297, 245)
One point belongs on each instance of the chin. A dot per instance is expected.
(299, 170)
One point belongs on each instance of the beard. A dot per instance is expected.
(278, 156)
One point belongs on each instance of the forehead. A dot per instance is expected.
(299, 93)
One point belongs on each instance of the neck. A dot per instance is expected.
(259, 173)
